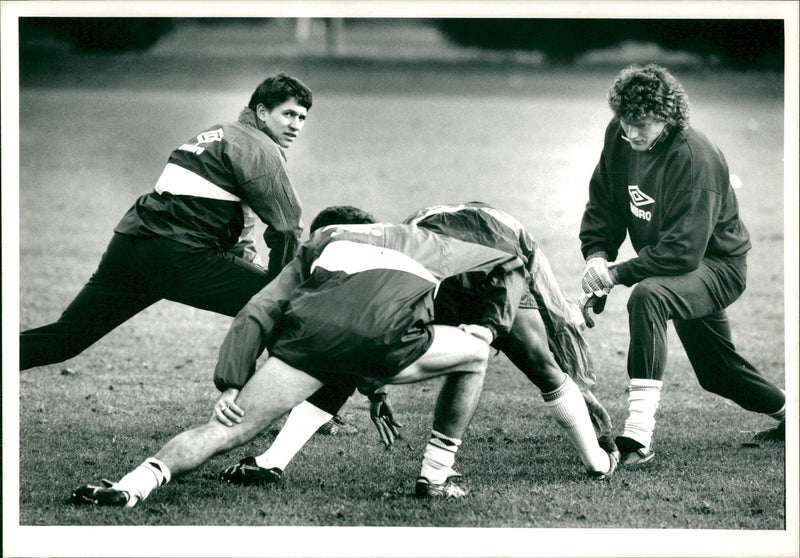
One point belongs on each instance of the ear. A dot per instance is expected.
(261, 112)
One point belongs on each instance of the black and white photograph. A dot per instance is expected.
(394, 279)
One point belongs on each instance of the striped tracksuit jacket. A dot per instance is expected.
(358, 301)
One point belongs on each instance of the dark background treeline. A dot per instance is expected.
(736, 43)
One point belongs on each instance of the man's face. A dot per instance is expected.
(284, 122)
(642, 135)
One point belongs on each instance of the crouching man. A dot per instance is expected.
(545, 342)
(357, 301)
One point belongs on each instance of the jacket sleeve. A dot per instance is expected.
(245, 248)
(687, 226)
(602, 229)
(274, 200)
(252, 329)
(267, 190)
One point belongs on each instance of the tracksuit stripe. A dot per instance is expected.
(352, 257)
(179, 181)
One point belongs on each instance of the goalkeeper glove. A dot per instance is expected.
(596, 303)
(596, 278)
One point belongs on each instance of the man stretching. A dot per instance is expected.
(357, 301)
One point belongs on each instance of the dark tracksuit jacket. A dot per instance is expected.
(189, 240)
(458, 299)
(213, 188)
(676, 203)
(358, 302)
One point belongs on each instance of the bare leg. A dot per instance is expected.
(527, 348)
(272, 391)
(463, 358)
(452, 352)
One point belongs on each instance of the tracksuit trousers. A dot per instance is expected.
(136, 272)
(696, 303)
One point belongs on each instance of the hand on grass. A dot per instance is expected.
(382, 415)
(226, 410)
(601, 420)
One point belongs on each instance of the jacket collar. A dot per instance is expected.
(666, 136)
(248, 118)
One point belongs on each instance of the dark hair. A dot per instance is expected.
(278, 89)
(650, 92)
(340, 215)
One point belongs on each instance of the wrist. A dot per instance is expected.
(492, 331)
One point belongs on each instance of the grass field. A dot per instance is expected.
(389, 138)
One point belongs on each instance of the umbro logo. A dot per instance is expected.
(638, 197)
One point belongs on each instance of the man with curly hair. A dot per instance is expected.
(668, 187)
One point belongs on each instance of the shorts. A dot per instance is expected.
(352, 356)
(528, 301)
(454, 307)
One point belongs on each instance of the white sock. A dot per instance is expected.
(301, 424)
(567, 406)
(145, 478)
(643, 401)
(439, 457)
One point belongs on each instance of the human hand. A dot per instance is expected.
(596, 278)
(596, 303)
(601, 420)
(382, 415)
(576, 312)
(226, 410)
(481, 332)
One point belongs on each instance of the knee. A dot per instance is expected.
(645, 298)
(480, 358)
(710, 383)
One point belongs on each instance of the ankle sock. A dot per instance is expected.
(643, 400)
(439, 457)
(145, 478)
(569, 410)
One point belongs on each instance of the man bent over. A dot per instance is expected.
(545, 342)
(357, 301)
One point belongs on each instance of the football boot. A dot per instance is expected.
(337, 426)
(776, 434)
(248, 472)
(632, 452)
(453, 487)
(104, 495)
